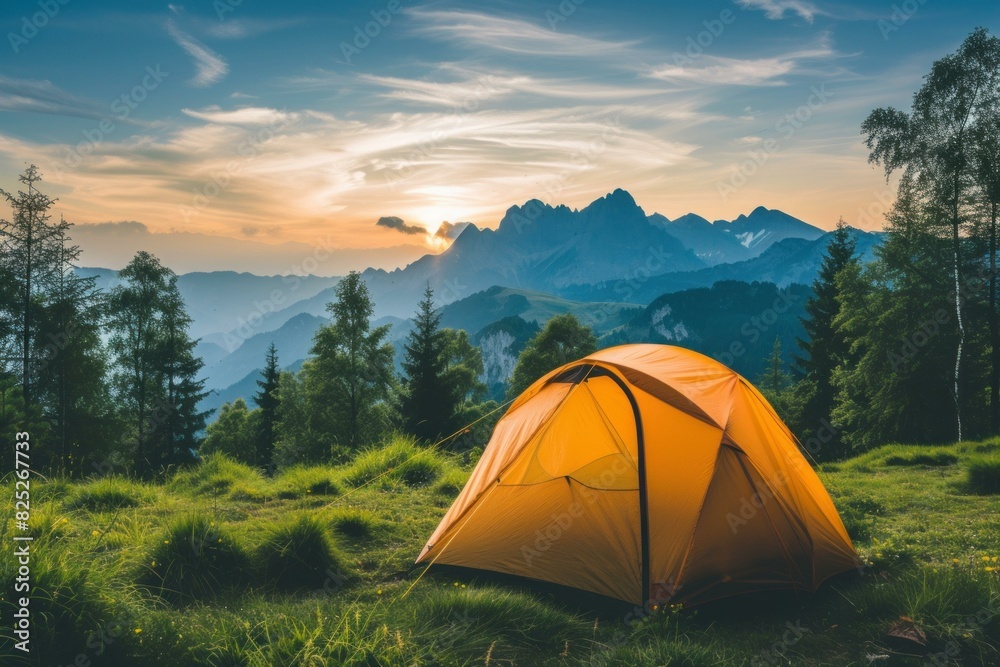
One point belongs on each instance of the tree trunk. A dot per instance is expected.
(994, 326)
(956, 240)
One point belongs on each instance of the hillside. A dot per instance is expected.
(734, 322)
(791, 260)
(928, 593)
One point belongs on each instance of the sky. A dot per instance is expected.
(234, 125)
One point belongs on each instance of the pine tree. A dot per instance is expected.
(72, 368)
(157, 370)
(30, 252)
(349, 380)
(267, 400)
(427, 400)
(824, 347)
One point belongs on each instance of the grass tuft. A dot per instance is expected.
(355, 524)
(217, 475)
(194, 559)
(401, 460)
(982, 473)
(108, 494)
(297, 554)
(302, 481)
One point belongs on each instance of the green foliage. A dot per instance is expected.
(157, 371)
(442, 370)
(825, 346)
(400, 460)
(194, 559)
(297, 554)
(235, 433)
(267, 399)
(931, 282)
(108, 494)
(348, 382)
(562, 340)
(983, 473)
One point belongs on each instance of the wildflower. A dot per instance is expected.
(985, 559)
(955, 560)
(166, 541)
(990, 569)
(378, 592)
(138, 630)
(95, 533)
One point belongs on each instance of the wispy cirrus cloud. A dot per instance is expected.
(242, 116)
(775, 9)
(511, 35)
(43, 97)
(722, 70)
(210, 66)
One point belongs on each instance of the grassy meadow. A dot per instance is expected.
(220, 565)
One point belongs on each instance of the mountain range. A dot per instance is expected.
(626, 274)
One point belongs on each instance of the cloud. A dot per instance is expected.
(244, 116)
(241, 28)
(211, 67)
(43, 97)
(720, 70)
(487, 31)
(394, 222)
(451, 231)
(775, 9)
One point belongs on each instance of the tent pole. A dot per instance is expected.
(643, 494)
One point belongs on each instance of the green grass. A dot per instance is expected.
(297, 553)
(109, 493)
(400, 461)
(194, 559)
(983, 472)
(314, 563)
(303, 481)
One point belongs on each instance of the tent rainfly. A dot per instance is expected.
(650, 474)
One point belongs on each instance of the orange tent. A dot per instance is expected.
(647, 473)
